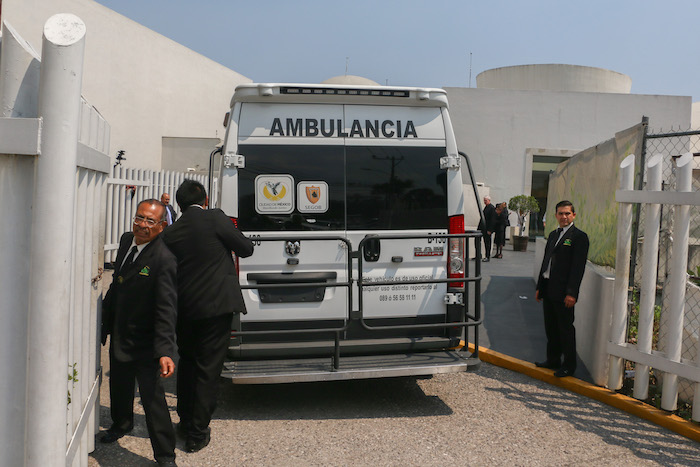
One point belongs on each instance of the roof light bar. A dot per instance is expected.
(344, 92)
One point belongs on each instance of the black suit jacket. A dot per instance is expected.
(202, 240)
(489, 217)
(173, 214)
(140, 307)
(568, 264)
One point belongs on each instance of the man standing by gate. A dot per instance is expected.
(140, 311)
(208, 296)
(558, 285)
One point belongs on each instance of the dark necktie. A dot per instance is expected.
(550, 247)
(130, 257)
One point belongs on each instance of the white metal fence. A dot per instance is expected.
(668, 359)
(126, 188)
(53, 170)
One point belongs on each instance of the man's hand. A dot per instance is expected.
(167, 367)
(569, 301)
(537, 295)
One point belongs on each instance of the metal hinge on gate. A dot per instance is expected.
(454, 299)
(449, 162)
(98, 277)
(234, 160)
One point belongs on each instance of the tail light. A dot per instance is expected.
(235, 258)
(456, 262)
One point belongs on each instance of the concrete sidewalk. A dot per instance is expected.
(513, 321)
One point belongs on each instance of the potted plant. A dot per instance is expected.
(523, 205)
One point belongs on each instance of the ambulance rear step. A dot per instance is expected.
(353, 367)
(319, 348)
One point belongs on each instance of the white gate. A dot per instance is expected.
(53, 170)
(126, 187)
(668, 360)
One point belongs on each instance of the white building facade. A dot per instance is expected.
(521, 121)
(146, 85)
(166, 103)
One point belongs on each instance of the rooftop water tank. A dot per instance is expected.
(555, 77)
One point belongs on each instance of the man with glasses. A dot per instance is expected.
(140, 312)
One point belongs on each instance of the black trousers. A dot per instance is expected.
(202, 345)
(122, 376)
(560, 332)
(487, 243)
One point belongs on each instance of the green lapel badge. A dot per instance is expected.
(567, 242)
(145, 271)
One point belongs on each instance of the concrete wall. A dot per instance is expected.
(185, 154)
(501, 129)
(146, 85)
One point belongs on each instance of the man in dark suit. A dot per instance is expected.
(487, 226)
(208, 296)
(140, 312)
(558, 285)
(171, 214)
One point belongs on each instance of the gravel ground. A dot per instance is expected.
(489, 417)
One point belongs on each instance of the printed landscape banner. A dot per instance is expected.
(589, 180)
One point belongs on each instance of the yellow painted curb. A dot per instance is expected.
(628, 404)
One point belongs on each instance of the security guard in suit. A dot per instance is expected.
(203, 241)
(558, 286)
(140, 312)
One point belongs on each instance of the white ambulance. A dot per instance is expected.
(353, 196)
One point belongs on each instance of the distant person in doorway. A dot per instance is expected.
(558, 286)
(170, 210)
(486, 226)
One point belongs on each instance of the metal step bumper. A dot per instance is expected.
(351, 367)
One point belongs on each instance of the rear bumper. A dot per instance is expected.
(351, 367)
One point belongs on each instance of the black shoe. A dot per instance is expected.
(193, 445)
(486, 260)
(167, 463)
(547, 364)
(562, 372)
(111, 435)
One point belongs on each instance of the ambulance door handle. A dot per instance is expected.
(371, 249)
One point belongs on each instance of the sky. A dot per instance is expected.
(438, 43)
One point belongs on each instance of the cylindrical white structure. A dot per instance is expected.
(555, 77)
(677, 280)
(52, 238)
(648, 286)
(622, 272)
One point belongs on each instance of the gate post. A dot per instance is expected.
(622, 272)
(19, 81)
(51, 239)
(650, 261)
(677, 282)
